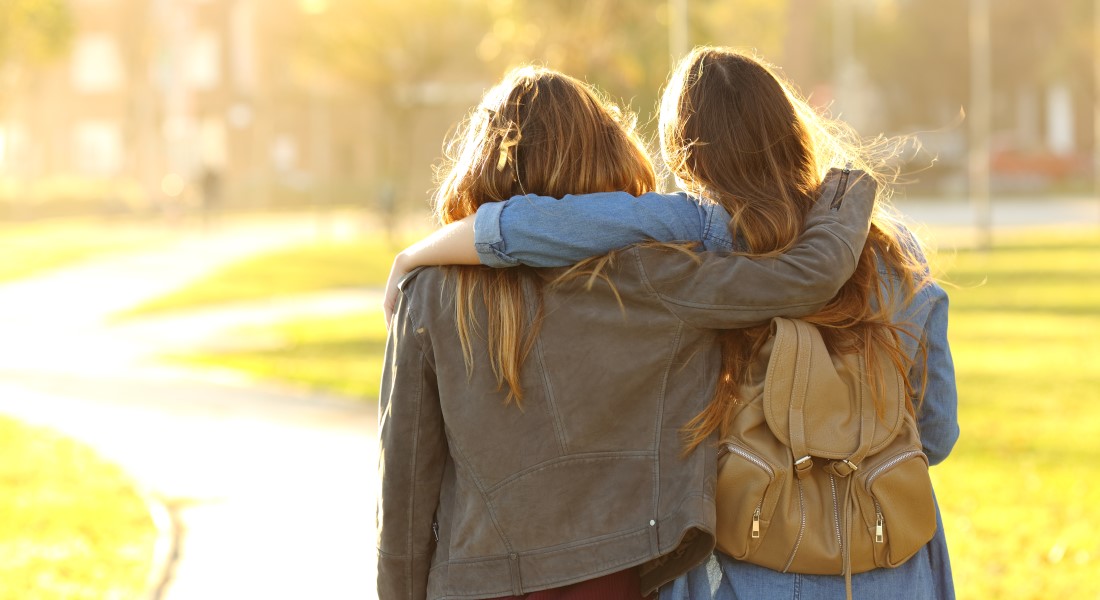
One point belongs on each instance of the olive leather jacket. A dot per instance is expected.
(587, 476)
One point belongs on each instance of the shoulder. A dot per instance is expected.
(424, 288)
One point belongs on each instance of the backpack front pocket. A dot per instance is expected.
(898, 511)
(746, 498)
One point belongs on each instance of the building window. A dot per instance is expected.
(98, 148)
(204, 61)
(97, 64)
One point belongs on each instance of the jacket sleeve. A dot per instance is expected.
(720, 291)
(937, 417)
(412, 455)
(541, 231)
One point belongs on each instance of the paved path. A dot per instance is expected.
(273, 489)
(951, 222)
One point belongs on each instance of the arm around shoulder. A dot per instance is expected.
(729, 291)
(452, 244)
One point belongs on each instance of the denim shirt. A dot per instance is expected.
(547, 232)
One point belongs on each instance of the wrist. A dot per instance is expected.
(405, 261)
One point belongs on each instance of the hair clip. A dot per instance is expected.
(505, 148)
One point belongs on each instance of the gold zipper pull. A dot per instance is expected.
(878, 528)
(756, 523)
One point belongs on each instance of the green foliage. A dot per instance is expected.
(1019, 507)
(34, 30)
(71, 525)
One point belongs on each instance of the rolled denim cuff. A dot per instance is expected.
(488, 239)
(716, 228)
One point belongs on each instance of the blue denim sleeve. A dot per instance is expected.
(548, 232)
(926, 318)
(937, 417)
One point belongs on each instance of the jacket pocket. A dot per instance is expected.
(898, 511)
(746, 497)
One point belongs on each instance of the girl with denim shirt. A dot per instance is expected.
(745, 145)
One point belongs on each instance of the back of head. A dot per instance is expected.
(540, 132)
(735, 132)
(536, 132)
(732, 131)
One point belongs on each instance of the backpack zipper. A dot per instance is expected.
(890, 464)
(801, 526)
(836, 513)
(880, 522)
(749, 456)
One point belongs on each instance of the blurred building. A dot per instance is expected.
(172, 105)
(176, 104)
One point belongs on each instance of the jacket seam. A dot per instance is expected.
(551, 405)
(483, 490)
(413, 464)
(847, 244)
(402, 556)
(659, 427)
(556, 549)
(559, 460)
(769, 309)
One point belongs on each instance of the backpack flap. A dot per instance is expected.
(813, 402)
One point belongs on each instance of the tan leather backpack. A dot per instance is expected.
(810, 479)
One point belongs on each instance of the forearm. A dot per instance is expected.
(452, 244)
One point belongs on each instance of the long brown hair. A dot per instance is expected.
(536, 132)
(736, 133)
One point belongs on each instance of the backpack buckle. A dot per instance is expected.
(803, 466)
(841, 468)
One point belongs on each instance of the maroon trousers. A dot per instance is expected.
(616, 586)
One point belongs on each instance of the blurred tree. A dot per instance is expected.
(620, 47)
(916, 52)
(34, 31)
(758, 25)
(405, 58)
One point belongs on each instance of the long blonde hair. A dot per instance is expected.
(736, 133)
(536, 132)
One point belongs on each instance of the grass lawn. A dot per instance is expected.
(1019, 494)
(310, 268)
(71, 525)
(334, 354)
(29, 248)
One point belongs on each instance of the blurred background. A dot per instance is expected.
(159, 106)
(200, 200)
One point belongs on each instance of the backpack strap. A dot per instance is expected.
(845, 467)
(802, 333)
(802, 336)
